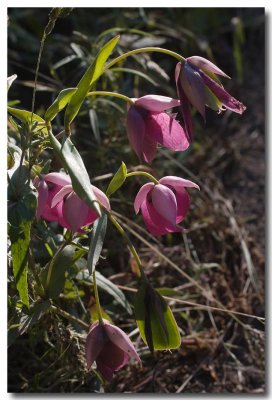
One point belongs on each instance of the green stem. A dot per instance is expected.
(68, 316)
(112, 94)
(130, 245)
(143, 50)
(146, 174)
(97, 300)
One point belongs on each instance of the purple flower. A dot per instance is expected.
(148, 124)
(58, 202)
(198, 84)
(164, 205)
(110, 347)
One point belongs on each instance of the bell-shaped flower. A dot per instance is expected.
(74, 213)
(164, 205)
(58, 202)
(47, 188)
(148, 124)
(198, 84)
(110, 347)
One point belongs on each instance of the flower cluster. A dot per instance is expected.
(163, 204)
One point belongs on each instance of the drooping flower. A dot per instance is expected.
(148, 124)
(57, 201)
(164, 205)
(198, 84)
(110, 347)
(47, 188)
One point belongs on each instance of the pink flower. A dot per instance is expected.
(198, 84)
(110, 347)
(58, 202)
(148, 124)
(47, 188)
(164, 205)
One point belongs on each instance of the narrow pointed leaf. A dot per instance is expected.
(72, 161)
(118, 180)
(95, 125)
(97, 239)
(155, 320)
(60, 102)
(90, 76)
(54, 283)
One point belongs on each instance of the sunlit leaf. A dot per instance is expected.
(21, 212)
(97, 239)
(90, 76)
(155, 320)
(11, 79)
(25, 116)
(72, 161)
(118, 180)
(60, 102)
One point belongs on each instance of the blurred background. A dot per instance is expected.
(223, 248)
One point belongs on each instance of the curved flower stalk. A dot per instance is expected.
(148, 124)
(110, 347)
(164, 205)
(57, 201)
(198, 84)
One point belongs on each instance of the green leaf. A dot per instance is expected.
(97, 239)
(25, 116)
(36, 311)
(108, 286)
(90, 76)
(72, 161)
(155, 320)
(95, 125)
(55, 282)
(21, 212)
(118, 180)
(60, 102)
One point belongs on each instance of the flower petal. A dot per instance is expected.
(185, 106)
(164, 202)
(61, 194)
(58, 178)
(153, 102)
(141, 195)
(204, 64)
(42, 189)
(154, 222)
(101, 197)
(75, 211)
(121, 340)
(167, 131)
(95, 342)
(104, 370)
(183, 203)
(135, 130)
(149, 149)
(227, 100)
(177, 182)
(193, 87)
